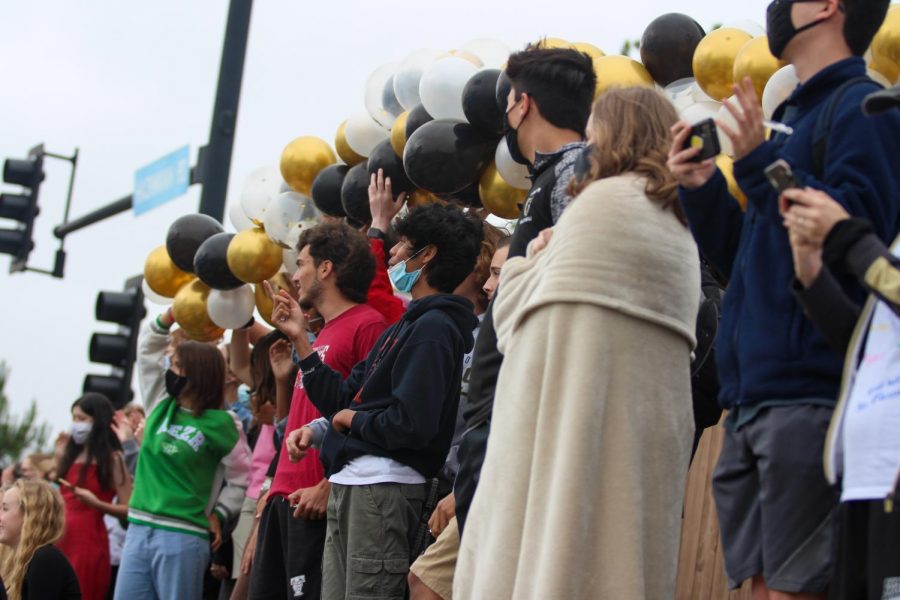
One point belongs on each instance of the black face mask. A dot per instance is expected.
(512, 142)
(174, 383)
(780, 28)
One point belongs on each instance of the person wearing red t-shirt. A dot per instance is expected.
(335, 270)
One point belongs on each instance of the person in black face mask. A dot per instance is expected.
(778, 377)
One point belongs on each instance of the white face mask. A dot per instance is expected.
(80, 432)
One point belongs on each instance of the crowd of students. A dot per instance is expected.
(443, 410)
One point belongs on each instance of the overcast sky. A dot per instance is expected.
(127, 82)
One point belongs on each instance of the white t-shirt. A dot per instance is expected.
(368, 469)
(872, 418)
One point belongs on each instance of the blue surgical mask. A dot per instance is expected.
(402, 280)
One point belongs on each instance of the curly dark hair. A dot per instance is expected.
(101, 445)
(560, 81)
(349, 254)
(457, 237)
(862, 19)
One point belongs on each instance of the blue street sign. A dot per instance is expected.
(161, 180)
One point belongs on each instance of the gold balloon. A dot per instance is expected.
(302, 159)
(555, 42)
(755, 61)
(252, 256)
(714, 61)
(343, 148)
(162, 275)
(498, 196)
(421, 197)
(398, 133)
(885, 46)
(619, 71)
(467, 56)
(281, 281)
(589, 49)
(726, 165)
(190, 313)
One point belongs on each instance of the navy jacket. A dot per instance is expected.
(766, 348)
(406, 392)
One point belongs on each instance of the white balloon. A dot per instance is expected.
(153, 297)
(492, 53)
(239, 220)
(726, 117)
(751, 27)
(289, 260)
(409, 74)
(260, 187)
(286, 215)
(441, 87)
(780, 86)
(375, 92)
(363, 134)
(231, 309)
(512, 172)
(700, 111)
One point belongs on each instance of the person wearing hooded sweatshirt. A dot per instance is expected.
(392, 419)
(778, 377)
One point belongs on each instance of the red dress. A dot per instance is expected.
(85, 542)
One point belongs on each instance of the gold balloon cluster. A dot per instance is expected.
(726, 165)
(190, 313)
(162, 275)
(756, 61)
(498, 196)
(344, 151)
(253, 257)
(264, 304)
(619, 71)
(398, 133)
(714, 61)
(885, 48)
(301, 161)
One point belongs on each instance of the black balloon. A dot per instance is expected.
(355, 194)
(383, 157)
(185, 236)
(389, 99)
(480, 102)
(326, 190)
(468, 196)
(418, 116)
(504, 86)
(446, 156)
(667, 47)
(211, 264)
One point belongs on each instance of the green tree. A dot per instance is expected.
(18, 434)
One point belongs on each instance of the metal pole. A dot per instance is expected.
(217, 160)
(119, 206)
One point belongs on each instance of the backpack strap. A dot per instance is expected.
(826, 117)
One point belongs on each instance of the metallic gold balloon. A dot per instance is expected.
(467, 56)
(398, 133)
(253, 257)
(498, 196)
(619, 71)
(343, 148)
(714, 61)
(190, 313)
(421, 197)
(302, 159)
(281, 281)
(589, 49)
(885, 48)
(726, 165)
(554, 42)
(756, 62)
(162, 275)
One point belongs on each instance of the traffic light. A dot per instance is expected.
(23, 207)
(117, 349)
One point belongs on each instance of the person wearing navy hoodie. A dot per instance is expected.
(778, 376)
(392, 419)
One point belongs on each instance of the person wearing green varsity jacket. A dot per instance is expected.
(191, 477)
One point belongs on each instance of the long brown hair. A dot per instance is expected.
(204, 368)
(631, 132)
(44, 522)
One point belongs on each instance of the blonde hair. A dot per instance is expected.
(43, 463)
(631, 132)
(43, 523)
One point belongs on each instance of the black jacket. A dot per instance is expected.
(406, 392)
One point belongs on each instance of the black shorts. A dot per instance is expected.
(867, 565)
(776, 509)
(288, 560)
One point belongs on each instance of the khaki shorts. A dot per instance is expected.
(436, 566)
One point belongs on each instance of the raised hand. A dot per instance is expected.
(749, 117)
(286, 313)
(382, 203)
(281, 360)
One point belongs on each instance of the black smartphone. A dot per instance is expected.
(704, 136)
(780, 176)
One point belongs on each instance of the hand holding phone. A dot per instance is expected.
(704, 136)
